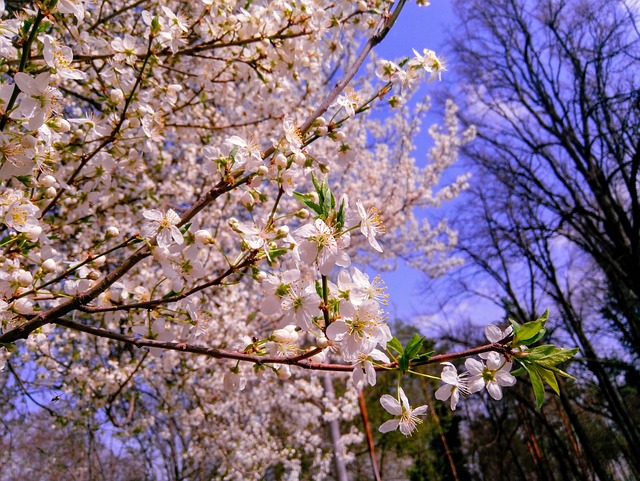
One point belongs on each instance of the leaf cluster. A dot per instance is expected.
(539, 362)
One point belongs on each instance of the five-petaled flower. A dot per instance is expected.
(164, 226)
(494, 375)
(454, 385)
(406, 419)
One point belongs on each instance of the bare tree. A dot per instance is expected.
(553, 88)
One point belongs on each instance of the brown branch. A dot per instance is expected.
(217, 353)
(367, 429)
(165, 300)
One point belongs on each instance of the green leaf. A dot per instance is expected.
(558, 356)
(24, 179)
(549, 377)
(560, 372)
(340, 216)
(304, 198)
(275, 253)
(425, 356)
(403, 363)
(529, 332)
(395, 345)
(11, 347)
(413, 346)
(172, 293)
(316, 184)
(534, 339)
(536, 382)
(540, 352)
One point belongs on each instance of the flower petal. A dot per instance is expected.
(420, 410)
(495, 391)
(474, 366)
(390, 425)
(493, 333)
(391, 405)
(444, 392)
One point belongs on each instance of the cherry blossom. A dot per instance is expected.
(494, 375)
(38, 99)
(454, 385)
(108, 115)
(320, 245)
(370, 224)
(162, 226)
(360, 329)
(407, 419)
(363, 369)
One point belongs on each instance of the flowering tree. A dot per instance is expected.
(199, 179)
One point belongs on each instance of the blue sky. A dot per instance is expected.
(417, 28)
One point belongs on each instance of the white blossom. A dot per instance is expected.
(407, 419)
(163, 226)
(454, 385)
(494, 375)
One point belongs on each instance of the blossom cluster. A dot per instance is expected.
(153, 192)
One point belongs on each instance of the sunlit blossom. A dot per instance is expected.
(494, 375)
(406, 418)
(163, 226)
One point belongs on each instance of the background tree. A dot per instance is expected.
(554, 217)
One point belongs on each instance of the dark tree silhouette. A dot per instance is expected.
(554, 90)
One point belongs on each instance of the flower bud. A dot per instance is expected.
(299, 158)
(322, 131)
(49, 265)
(280, 160)
(24, 278)
(33, 234)
(284, 373)
(321, 122)
(340, 136)
(247, 199)
(262, 170)
(282, 231)
(116, 96)
(281, 336)
(322, 342)
(320, 357)
(99, 261)
(160, 254)
(47, 181)
(203, 236)
(61, 125)
(50, 193)
(23, 306)
(112, 231)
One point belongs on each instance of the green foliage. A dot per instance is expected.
(325, 207)
(529, 332)
(539, 362)
(410, 355)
